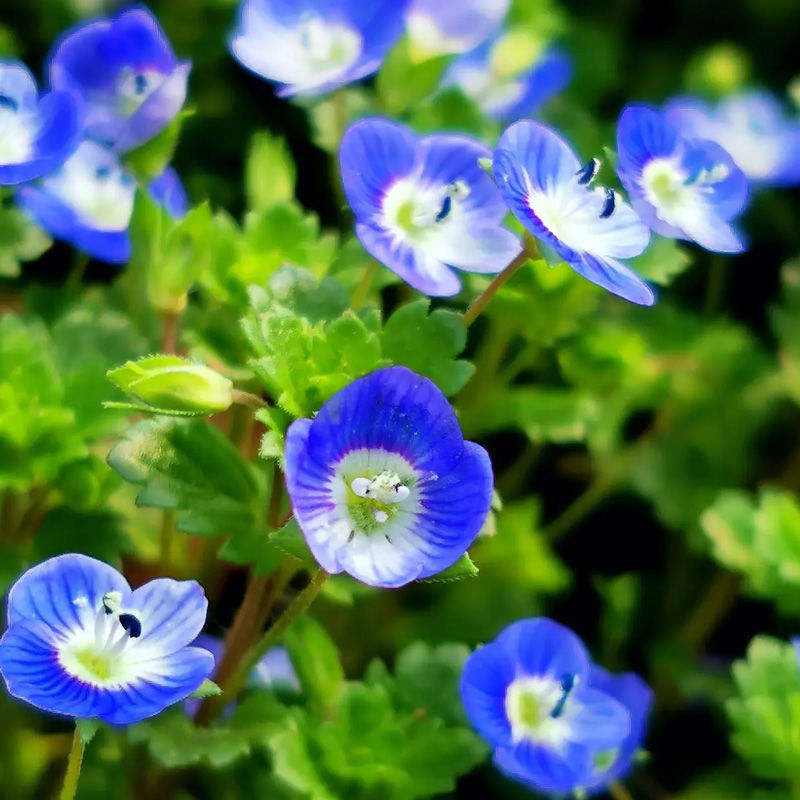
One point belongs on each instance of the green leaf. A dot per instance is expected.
(206, 689)
(87, 728)
(252, 547)
(20, 240)
(189, 466)
(405, 78)
(270, 173)
(290, 540)
(149, 160)
(100, 534)
(663, 261)
(316, 661)
(766, 714)
(429, 344)
(463, 568)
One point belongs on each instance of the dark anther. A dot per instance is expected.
(386, 536)
(101, 173)
(567, 685)
(131, 624)
(588, 172)
(141, 84)
(8, 102)
(609, 204)
(351, 536)
(447, 205)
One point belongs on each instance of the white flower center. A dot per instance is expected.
(673, 192)
(99, 191)
(18, 131)
(416, 213)
(135, 86)
(97, 656)
(539, 709)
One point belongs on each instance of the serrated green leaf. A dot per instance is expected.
(189, 466)
(463, 568)
(290, 540)
(206, 689)
(429, 344)
(316, 662)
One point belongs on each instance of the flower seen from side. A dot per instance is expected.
(554, 197)
(753, 127)
(508, 91)
(37, 133)
(531, 695)
(382, 483)
(310, 47)
(125, 70)
(424, 206)
(437, 28)
(683, 187)
(88, 202)
(81, 643)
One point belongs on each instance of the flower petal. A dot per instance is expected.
(64, 592)
(546, 770)
(615, 277)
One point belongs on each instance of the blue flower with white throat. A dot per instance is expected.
(436, 28)
(382, 483)
(89, 202)
(554, 197)
(80, 643)
(37, 133)
(424, 206)
(761, 137)
(310, 47)
(508, 91)
(127, 74)
(683, 187)
(529, 694)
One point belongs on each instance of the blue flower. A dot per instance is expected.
(437, 28)
(81, 643)
(167, 190)
(509, 94)
(309, 47)
(637, 697)
(423, 206)
(529, 694)
(382, 483)
(752, 126)
(682, 187)
(36, 133)
(552, 195)
(126, 72)
(89, 202)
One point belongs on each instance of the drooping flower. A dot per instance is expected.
(37, 133)
(424, 206)
(509, 91)
(682, 187)
(637, 697)
(437, 28)
(81, 643)
(273, 671)
(530, 695)
(552, 195)
(382, 483)
(753, 127)
(127, 73)
(310, 47)
(89, 201)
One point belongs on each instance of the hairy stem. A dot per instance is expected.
(248, 399)
(711, 610)
(165, 540)
(361, 291)
(70, 786)
(169, 336)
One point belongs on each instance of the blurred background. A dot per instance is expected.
(616, 429)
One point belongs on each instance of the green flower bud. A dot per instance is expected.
(170, 384)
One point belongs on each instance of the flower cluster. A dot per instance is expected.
(556, 721)
(81, 643)
(115, 85)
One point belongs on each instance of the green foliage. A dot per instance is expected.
(150, 159)
(766, 713)
(316, 661)
(190, 467)
(407, 77)
(270, 174)
(760, 539)
(20, 241)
